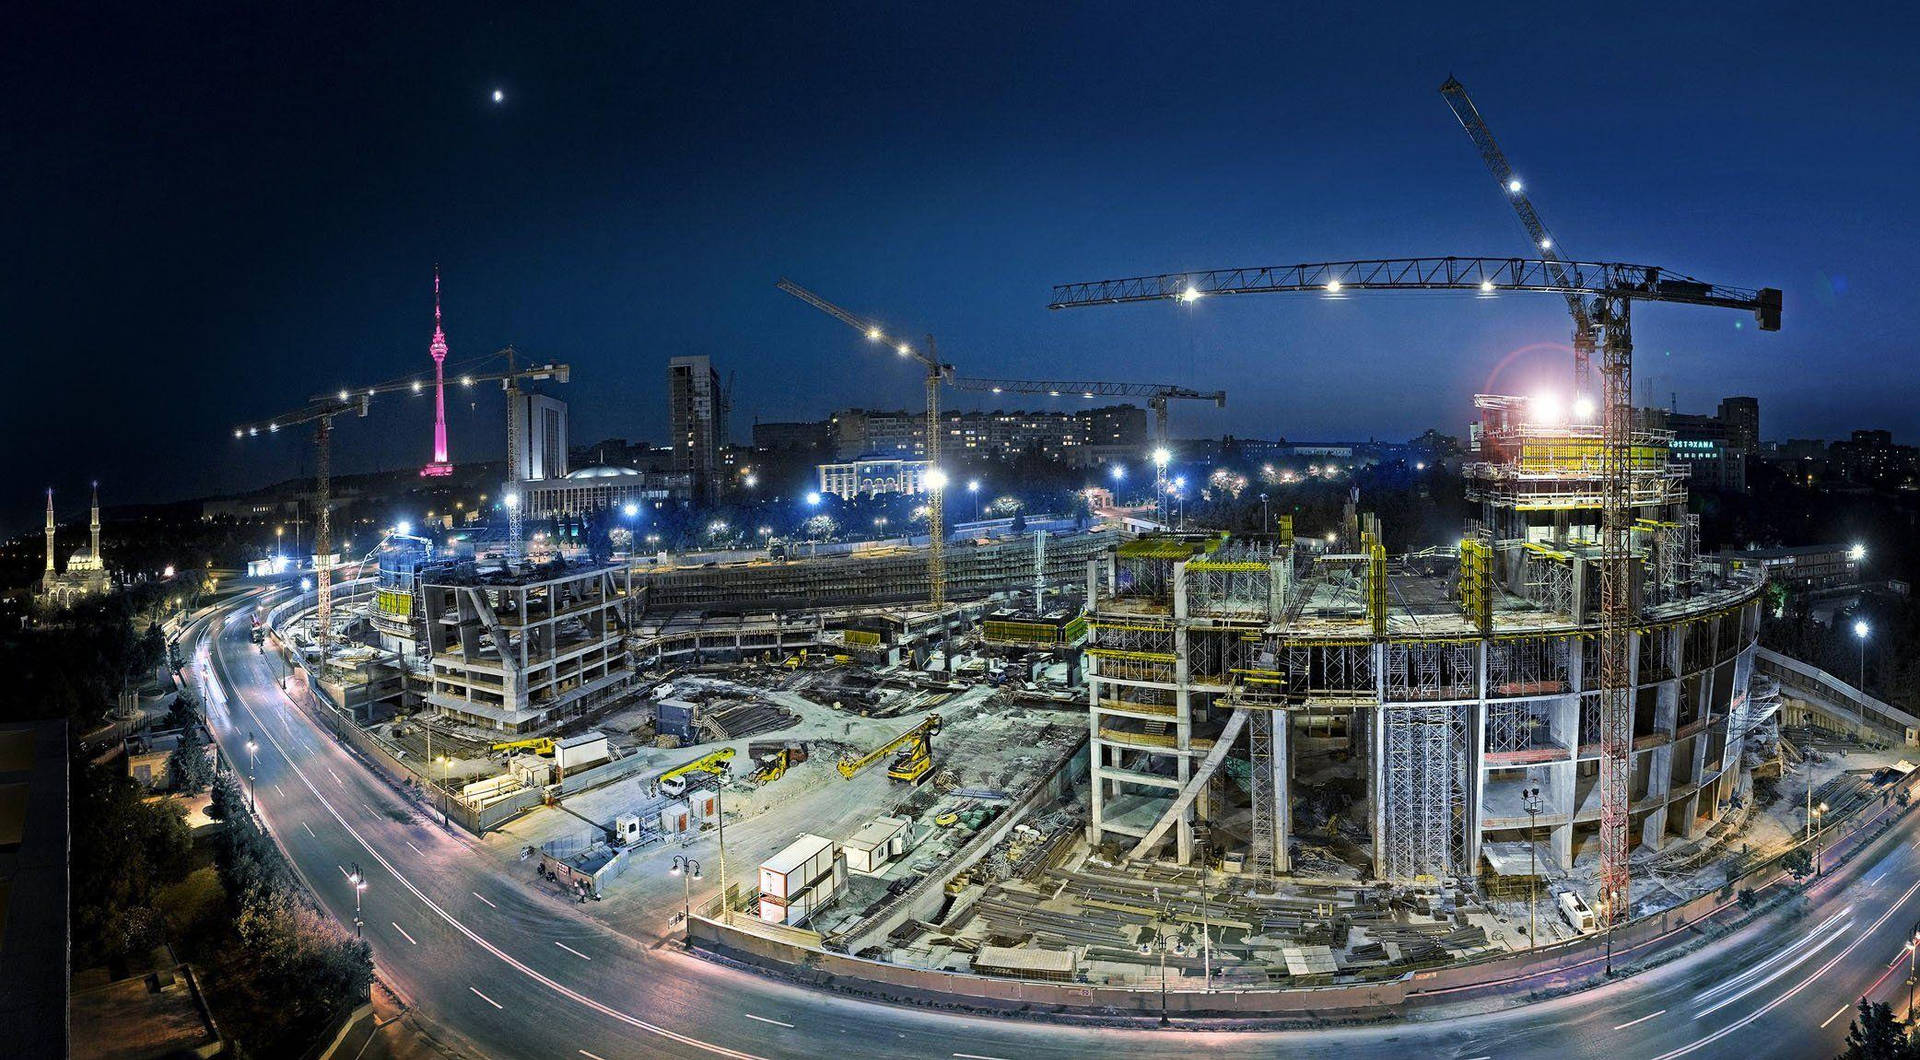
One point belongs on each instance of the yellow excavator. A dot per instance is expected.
(540, 745)
(913, 762)
(675, 782)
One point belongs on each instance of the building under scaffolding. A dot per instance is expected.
(1319, 708)
(893, 576)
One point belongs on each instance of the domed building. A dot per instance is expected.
(86, 573)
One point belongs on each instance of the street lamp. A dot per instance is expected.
(1264, 521)
(1819, 835)
(359, 888)
(973, 487)
(252, 756)
(687, 868)
(1860, 631)
(631, 509)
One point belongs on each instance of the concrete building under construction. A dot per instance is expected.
(1419, 716)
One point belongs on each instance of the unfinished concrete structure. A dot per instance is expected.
(1412, 717)
(514, 651)
(893, 576)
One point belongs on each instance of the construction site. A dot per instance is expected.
(1110, 752)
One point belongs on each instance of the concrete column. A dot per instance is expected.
(1282, 765)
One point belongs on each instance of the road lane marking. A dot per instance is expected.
(487, 999)
(283, 794)
(477, 939)
(1797, 987)
(371, 812)
(1837, 1013)
(403, 932)
(1838, 933)
(1643, 1019)
(413, 848)
(1760, 968)
(591, 1056)
(764, 1019)
(482, 897)
(309, 829)
(573, 951)
(1875, 878)
(336, 777)
(977, 1056)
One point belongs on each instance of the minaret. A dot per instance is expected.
(49, 530)
(96, 522)
(438, 349)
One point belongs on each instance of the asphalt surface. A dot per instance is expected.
(505, 970)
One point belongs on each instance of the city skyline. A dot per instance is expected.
(568, 210)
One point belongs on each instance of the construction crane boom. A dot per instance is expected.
(935, 479)
(321, 410)
(1543, 241)
(919, 735)
(1607, 292)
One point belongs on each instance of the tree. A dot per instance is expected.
(1797, 861)
(183, 713)
(1876, 1035)
(188, 769)
(227, 800)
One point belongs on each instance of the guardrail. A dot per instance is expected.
(1836, 695)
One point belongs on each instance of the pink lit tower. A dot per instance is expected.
(438, 348)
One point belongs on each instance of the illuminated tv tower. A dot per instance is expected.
(438, 348)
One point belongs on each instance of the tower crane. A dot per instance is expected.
(321, 411)
(1543, 242)
(935, 478)
(1606, 292)
(1156, 394)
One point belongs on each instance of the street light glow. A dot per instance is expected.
(631, 509)
(1861, 629)
(934, 480)
(813, 498)
(1161, 456)
(1857, 553)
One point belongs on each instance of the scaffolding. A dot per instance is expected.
(1424, 791)
(1232, 582)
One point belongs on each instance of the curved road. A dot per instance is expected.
(508, 971)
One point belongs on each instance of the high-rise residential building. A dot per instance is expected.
(540, 423)
(1742, 417)
(697, 417)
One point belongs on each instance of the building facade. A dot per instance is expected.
(858, 478)
(697, 419)
(997, 435)
(1412, 719)
(540, 424)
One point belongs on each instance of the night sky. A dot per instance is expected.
(215, 210)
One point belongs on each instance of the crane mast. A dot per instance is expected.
(1604, 293)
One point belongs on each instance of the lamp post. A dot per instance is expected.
(359, 888)
(253, 756)
(1531, 797)
(1606, 910)
(1206, 929)
(973, 487)
(687, 869)
(1264, 520)
(720, 816)
(1819, 835)
(1860, 631)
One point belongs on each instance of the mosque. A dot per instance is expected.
(86, 573)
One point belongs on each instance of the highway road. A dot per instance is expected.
(504, 970)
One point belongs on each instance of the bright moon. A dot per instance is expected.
(499, 96)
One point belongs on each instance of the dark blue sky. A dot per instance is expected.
(215, 210)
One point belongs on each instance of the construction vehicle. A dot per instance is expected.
(915, 758)
(677, 781)
(773, 767)
(540, 745)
